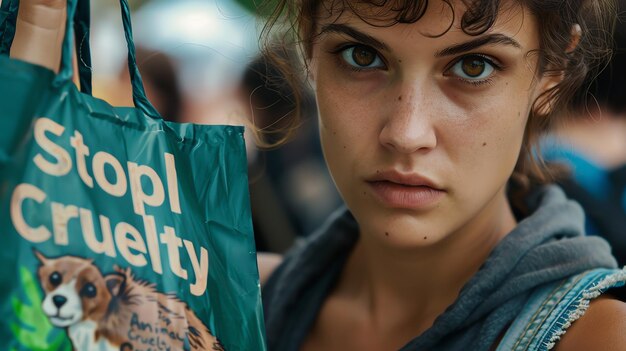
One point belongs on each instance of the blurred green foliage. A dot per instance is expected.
(250, 5)
(32, 329)
(254, 5)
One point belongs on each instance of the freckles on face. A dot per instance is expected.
(451, 109)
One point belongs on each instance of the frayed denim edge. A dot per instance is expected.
(609, 281)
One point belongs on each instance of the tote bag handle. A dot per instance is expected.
(78, 23)
(139, 95)
(8, 18)
(82, 19)
(8, 21)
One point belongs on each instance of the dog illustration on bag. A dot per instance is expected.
(115, 311)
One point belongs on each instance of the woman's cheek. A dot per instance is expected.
(344, 108)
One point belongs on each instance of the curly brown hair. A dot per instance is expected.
(556, 56)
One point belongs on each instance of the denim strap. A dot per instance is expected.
(552, 308)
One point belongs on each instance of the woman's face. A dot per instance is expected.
(421, 133)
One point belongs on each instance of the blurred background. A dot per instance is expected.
(200, 62)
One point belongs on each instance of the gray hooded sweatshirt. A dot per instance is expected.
(547, 246)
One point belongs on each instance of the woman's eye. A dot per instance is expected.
(362, 57)
(473, 68)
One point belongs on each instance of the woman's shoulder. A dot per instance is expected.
(584, 311)
(600, 328)
(599, 321)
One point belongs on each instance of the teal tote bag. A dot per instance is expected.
(119, 230)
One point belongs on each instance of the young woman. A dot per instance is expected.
(449, 240)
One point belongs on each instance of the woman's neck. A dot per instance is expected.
(413, 286)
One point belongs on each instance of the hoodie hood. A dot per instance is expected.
(547, 246)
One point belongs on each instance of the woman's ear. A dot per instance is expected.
(544, 101)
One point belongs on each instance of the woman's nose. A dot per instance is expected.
(408, 126)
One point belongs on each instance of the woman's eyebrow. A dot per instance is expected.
(357, 35)
(478, 42)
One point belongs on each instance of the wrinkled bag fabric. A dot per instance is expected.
(114, 222)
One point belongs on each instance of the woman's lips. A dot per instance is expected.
(398, 195)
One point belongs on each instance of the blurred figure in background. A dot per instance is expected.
(200, 63)
(161, 83)
(204, 44)
(592, 145)
(296, 171)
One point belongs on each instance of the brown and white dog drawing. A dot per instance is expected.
(115, 311)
